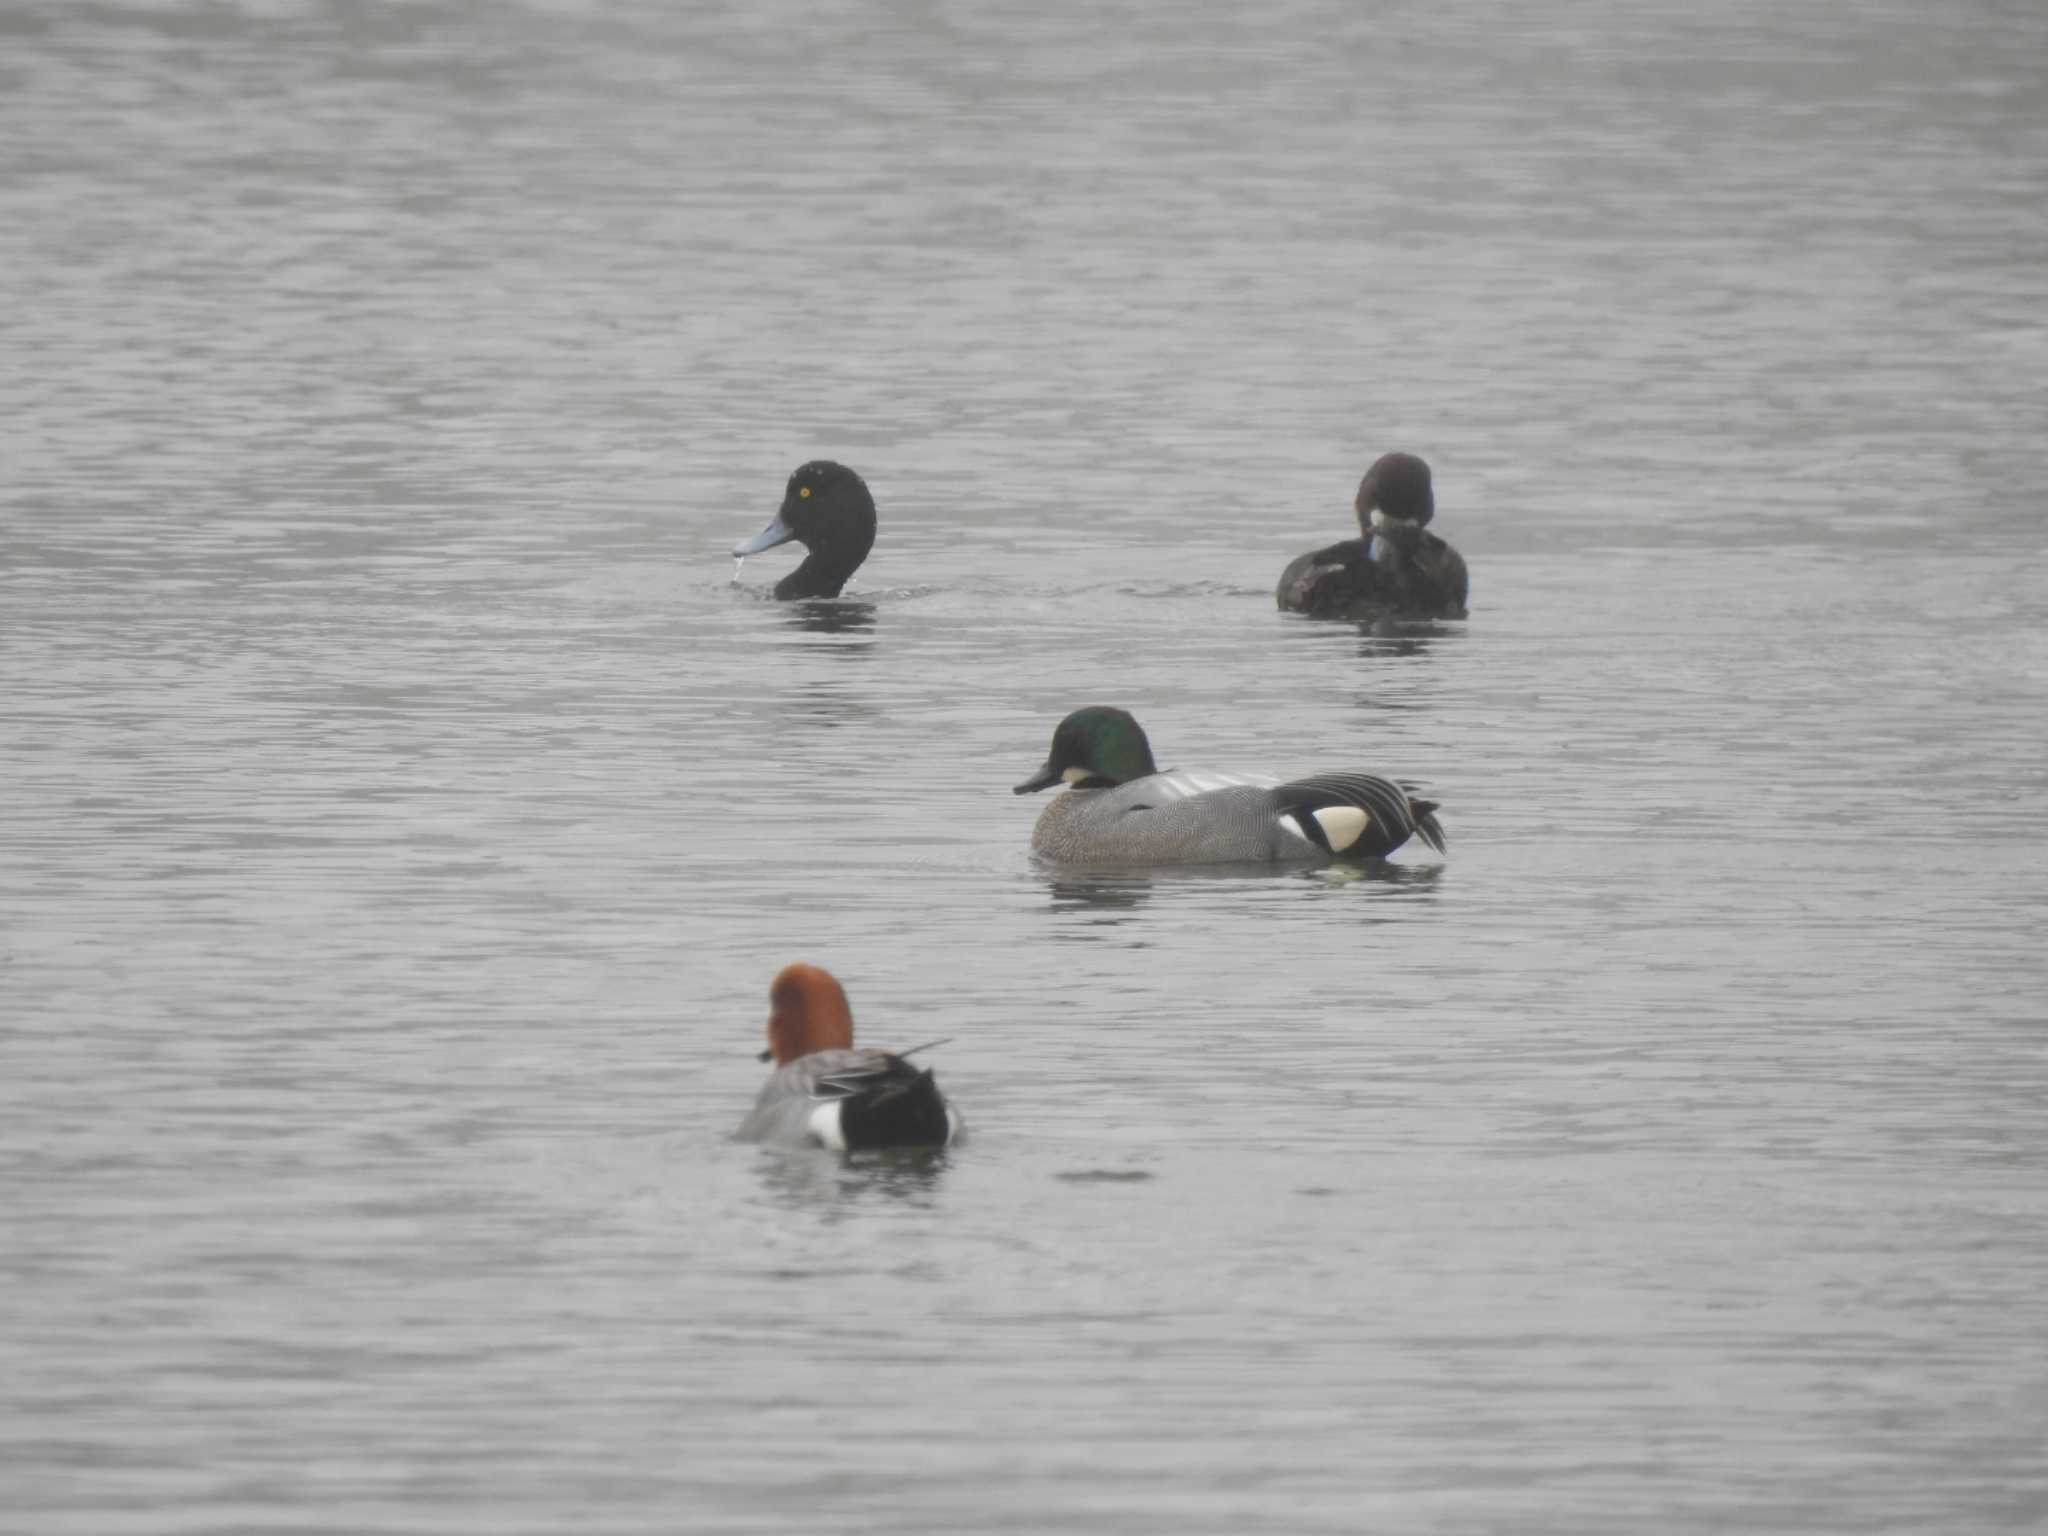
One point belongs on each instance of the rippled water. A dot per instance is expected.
(403, 811)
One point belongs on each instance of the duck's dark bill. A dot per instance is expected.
(1046, 776)
(777, 532)
(767, 1055)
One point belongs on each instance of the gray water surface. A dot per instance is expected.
(402, 811)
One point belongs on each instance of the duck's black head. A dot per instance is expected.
(1397, 485)
(1094, 748)
(828, 510)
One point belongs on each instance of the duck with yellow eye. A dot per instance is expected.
(827, 509)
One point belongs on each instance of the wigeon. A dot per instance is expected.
(824, 1092)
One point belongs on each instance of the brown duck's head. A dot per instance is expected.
(807, 1012)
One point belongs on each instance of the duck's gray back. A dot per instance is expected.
(789, 1098)
(1169, 818)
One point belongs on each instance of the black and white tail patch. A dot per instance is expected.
(887, 1103)
(1357, 815)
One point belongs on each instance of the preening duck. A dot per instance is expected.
(1398, 568)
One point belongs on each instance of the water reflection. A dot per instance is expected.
(1117, 890)
(838, 1184)
(1419, 878)
(1123, 890)
(1392, 636)
(1383, 636)
(825, 703)
(1393, 704)
(833, 616)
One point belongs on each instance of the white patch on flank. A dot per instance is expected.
(1075, 774)
(824, 1124)
(952, 1126)
(1343, 825)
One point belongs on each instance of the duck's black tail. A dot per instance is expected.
(895, 1105)
(1427, 827)
(1319, 807)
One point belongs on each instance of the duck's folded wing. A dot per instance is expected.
(1182, 784)
(849, 1100)
(1330, 580)
(1359, 813)
(1443, 569)
(845, 1074)
(783, 1111)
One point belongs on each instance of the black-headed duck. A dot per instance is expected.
(1397, 568)
(827, 509)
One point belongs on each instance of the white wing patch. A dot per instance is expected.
(1185, 784)
(1343, 825)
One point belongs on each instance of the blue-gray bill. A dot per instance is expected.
(777, 532)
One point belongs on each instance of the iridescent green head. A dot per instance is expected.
(1093, 749)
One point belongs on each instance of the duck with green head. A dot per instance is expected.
(1120, 809)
